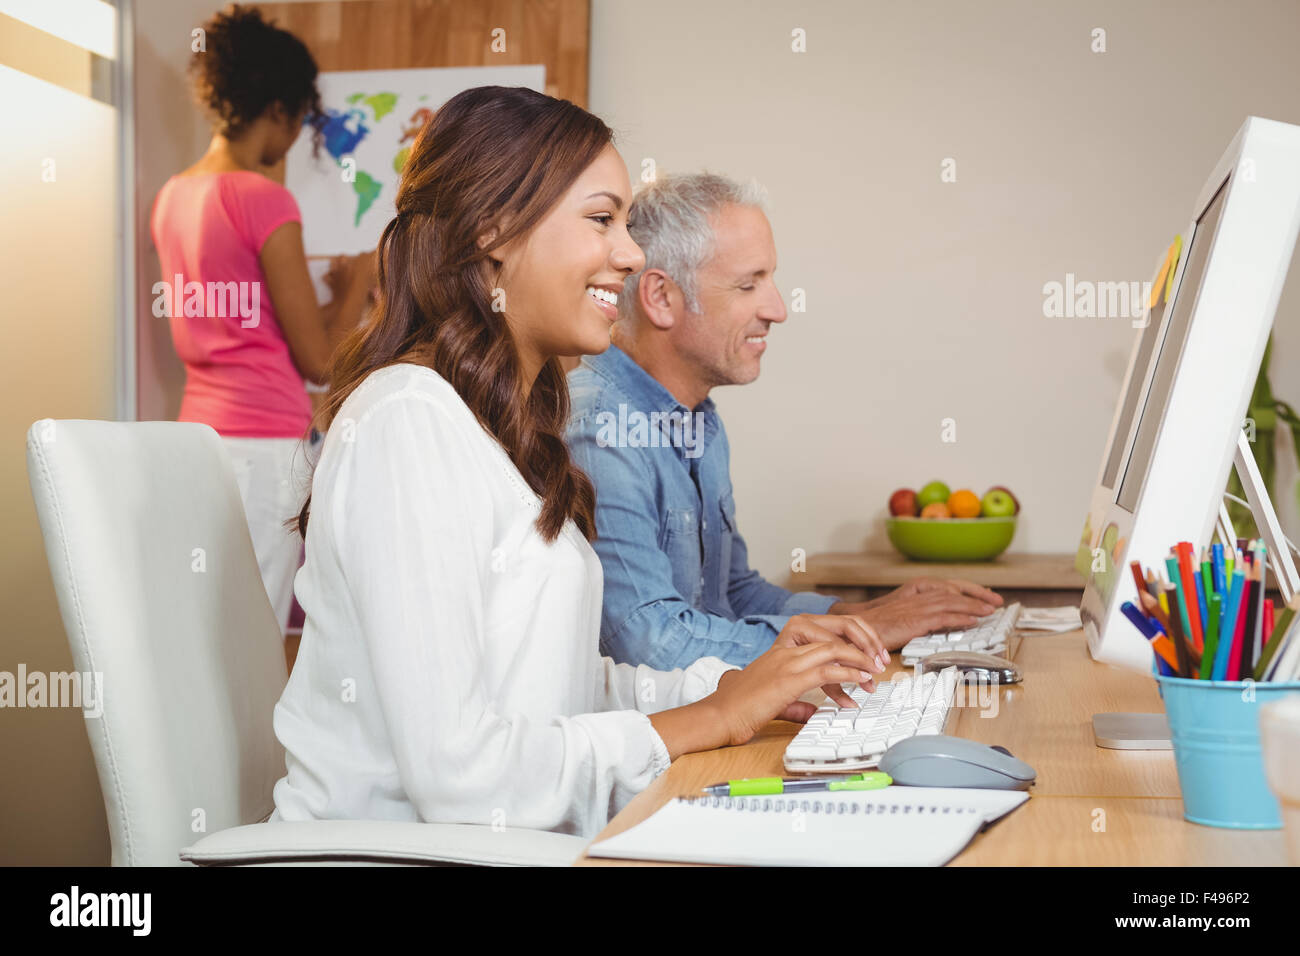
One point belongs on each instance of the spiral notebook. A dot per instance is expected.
(896, 826)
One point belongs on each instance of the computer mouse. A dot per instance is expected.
(985, 667)
(936, 760)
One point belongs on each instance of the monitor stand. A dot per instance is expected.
(1151, 731)
(1131, 731)
(1280, 563)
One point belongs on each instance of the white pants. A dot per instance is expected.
(272, 482)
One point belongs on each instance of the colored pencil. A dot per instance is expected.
(1257, 637)
(1162, 598)
(1220, 578)
(1164, 646)
(1281, 630)
(1211, 637)
(1286, 659)
(1138, 582)
(1283, 619)
(1159, 644)
(1223, 653)
(1187, 590)
(1180, 602)
(1242, 642)
(1202, 609)
(1180, 642)
(1152, 607)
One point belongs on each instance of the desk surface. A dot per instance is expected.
(890, 569)
(1089, 807)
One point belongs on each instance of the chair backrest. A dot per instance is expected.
(160, 593)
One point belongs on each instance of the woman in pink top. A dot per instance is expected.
(235, 286)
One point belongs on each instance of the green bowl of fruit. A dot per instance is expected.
(936, 524)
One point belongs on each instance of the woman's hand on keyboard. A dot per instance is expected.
(823, 651)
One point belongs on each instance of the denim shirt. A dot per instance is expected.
(678, 585)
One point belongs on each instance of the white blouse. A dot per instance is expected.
(449, 668)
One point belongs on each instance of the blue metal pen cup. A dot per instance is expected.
(1215, 729)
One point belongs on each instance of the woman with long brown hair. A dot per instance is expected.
(449, 668)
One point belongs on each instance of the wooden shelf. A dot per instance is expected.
(1050, 572)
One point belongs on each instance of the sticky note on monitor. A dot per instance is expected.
(1175, 251)
(1164, 283)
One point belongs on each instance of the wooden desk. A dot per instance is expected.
(1089, 807)
(1031, 579)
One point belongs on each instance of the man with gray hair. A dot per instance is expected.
(678, 585)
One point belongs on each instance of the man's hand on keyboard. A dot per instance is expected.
(931, 605)
(955, 585)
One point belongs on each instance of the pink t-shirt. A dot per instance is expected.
(209, 230)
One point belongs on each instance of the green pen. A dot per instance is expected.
(1211, 636)
(764, 786)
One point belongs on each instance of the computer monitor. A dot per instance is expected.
(1178, 425)
(1119, 440)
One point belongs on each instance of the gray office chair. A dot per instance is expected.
(159, 591)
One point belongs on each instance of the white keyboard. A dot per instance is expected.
(838, 739)
(988, 637)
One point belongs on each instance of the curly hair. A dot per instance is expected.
(491, 156)
(247, 65)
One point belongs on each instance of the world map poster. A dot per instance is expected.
(371, 118)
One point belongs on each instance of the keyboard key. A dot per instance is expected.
(933, 719)
(816, 752)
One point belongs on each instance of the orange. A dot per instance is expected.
(936, 509)
(964, 504)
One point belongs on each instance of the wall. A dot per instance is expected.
(924, 298)
(170, 134)
(60, 290)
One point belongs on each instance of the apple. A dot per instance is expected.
(902, 503)
(936, 509)
(935, 491)
(998, 504)
(1008, 491)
